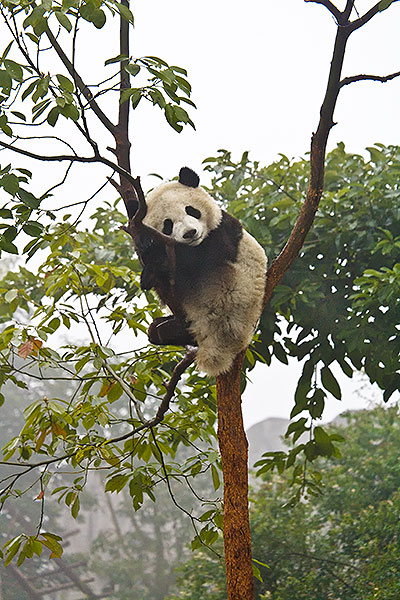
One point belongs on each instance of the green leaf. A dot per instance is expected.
(126, 94)
(53, 115)
(256, 572)
(4, 126)
(298, 426)
(54, 324)
(28, 91)
(10, 295)
(63, 20)
(14, 69)
(75, 507)
(19, 115)
(39, 109)
(10, 233)
(32, 37)
(215, 477)
(33, 228)
(99, 19)
(119, 58)
(10, 183)
(384, 5)
(171, 118)
(65, 83)
(132, 69)
(28, 198)
(323, 441)
(67, 4)
(317, 404)
(87, 10)
(6, 51)
(12, 550)
(70, 111)
(51, 541)
(279, 353)
(330, 383)
(125, 13)
(5, 80)
(115, 392)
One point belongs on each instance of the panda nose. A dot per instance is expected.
(189, 235)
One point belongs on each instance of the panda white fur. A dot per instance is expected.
(219, 274)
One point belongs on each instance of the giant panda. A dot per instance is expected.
(214, 284)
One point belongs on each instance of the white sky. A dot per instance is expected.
(258, 71)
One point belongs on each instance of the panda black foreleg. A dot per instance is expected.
(170, 331)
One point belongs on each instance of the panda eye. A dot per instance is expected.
(167, 227)
(193, 212)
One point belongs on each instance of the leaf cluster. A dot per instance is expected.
(52, 95)
(87, 285)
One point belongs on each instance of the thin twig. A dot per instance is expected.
(381, 78)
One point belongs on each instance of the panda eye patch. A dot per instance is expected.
(167, 227)
(193, 212)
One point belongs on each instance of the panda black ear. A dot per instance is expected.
(188, 177)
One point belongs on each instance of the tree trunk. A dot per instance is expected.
(233, 447)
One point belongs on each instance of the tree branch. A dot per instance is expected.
(121, 134)
(83, 159)
(331, 7)
(317, 168)
(348, 9)
(365, 18)
(79, 82)
(381, 78)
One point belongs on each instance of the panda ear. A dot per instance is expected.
(188, 177)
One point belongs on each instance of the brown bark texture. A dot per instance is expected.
(233, 447)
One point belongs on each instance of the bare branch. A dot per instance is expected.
(177, 373)
(121, 135)
(348, 9)
(330, 6)
(317, 161)
(367, 17)
(64, 157)
(381, 78)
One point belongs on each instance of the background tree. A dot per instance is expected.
(341, 544)
(67, 278)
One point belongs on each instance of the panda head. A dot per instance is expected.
(183, 210)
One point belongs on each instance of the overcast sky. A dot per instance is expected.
(258, 71)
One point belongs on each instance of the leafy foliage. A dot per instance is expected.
(60, 94)
(86, 292)
(341, 544)
(87, 285)
(37, 95)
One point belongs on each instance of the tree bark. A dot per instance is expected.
(233, 447)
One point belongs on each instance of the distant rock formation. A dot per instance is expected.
(266, 437)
